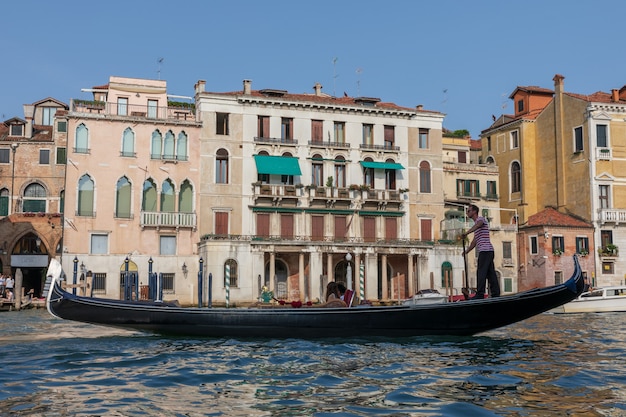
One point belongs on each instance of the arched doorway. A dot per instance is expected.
(131, 290)
(280, 277)
(30, 254)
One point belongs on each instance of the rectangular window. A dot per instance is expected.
(17, 130)
(61, 156)
(462, 157)
(606, 238)
(168, 282)
(44, 156)
(62, 128)
(340, 132)
(468, 188)
(489, 143)
(391, 228)
(607, 268)
(520, 106)
(263, 128)
(317, 131)
(508, 285)
(317, 228)
(604, 196)
(221, 123)
(4, 156)
(514, 139)
(122, 106)
(99, 282)
(221, 223)
(507, 252)
(368, 134)
(558, 277)
(286, 128)
(340, 228)
(578, 139)
(317, 173)
(601, 138)
(369, 229)
(533, 245)
(492, 190)
(263, 224)
(390, 137)
(48, 115)
(423, 139)
(153, 106)
(286, 226)
(99, 244)
(167, 245)
(582, 245)
(426, 227)
(558, 245)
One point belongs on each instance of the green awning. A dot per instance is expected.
(277, 165)
(381, 165)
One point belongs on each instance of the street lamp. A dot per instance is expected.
(14, 147)
(349, 271)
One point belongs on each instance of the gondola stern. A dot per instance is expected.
(55, 271)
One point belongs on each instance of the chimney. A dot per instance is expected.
(29, 112)
(615, 95)
(558, 84)
(247, 87)
(318, 89)
(200, 86)
(419, 107)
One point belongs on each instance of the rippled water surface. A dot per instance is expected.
(550, 365)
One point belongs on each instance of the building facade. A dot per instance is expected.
(133, 182)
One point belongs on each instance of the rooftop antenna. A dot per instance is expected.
(334, 74)
(358, 81)
(159, 62)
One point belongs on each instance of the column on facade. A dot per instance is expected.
(410, 275)
(272, 271)
(371, 276)
(329, 267)
(301, 285)
(383, 276)
(316, 271)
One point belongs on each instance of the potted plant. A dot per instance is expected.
(557, 252)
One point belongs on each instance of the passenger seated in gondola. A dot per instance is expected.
(346, 295)
(333, 296)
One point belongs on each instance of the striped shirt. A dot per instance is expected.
(483, 243)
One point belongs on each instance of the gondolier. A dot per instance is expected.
(482, 243)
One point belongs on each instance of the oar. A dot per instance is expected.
(466, 292)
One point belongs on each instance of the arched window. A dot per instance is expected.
(368, 174)
(340, 171)
(34, 200)
(85, 196)
(82, 139)
(4, 202)
(128, 142)
(490, 160)
(221, 166)
(516, 177)
(122, 198)
(317, 170)
(425, 180)
(185, 198)
(390, 177)
(167, 197)
(181, 147)
(157, 143)
(168, 145)
(447, 279)
(232, 272)
(149, 201)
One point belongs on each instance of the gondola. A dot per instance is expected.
(463, 318)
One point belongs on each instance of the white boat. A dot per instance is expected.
(598, 300)
(428, 296)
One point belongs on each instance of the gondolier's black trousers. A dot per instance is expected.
(486, 271)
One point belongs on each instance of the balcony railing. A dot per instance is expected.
(386, 147)
(329, 144)
(282, 141)
(134, 111)
(612, 216)
(168, 219)
(603, 154)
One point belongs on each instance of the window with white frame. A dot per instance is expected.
(514, 139)
(533, 245)
(47, 114)
(604, 196)
(601, 136)
(122, 106)
(167, 245)
(99, 244)
(582, 245)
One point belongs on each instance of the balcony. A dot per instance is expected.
(612, 216)
(386, 147)
(168, 219)
(276, 141)
(182, 111)
(329, 144)
(603, 154)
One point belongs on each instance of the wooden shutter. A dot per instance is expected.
(263, 224)
(340, 228)
(317, 131)
(426, 229)
(317, 227)
(391, 228)
(369, 229)
(221, 223)
(286, 225)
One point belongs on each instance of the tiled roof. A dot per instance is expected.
(326, 99)
(475, 144)
(532, 89)
(551, 217)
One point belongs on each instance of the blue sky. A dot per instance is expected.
(462, 58)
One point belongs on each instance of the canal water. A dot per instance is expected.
(550, 365)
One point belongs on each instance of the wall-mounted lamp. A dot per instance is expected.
(546, 235)
(185, 270)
